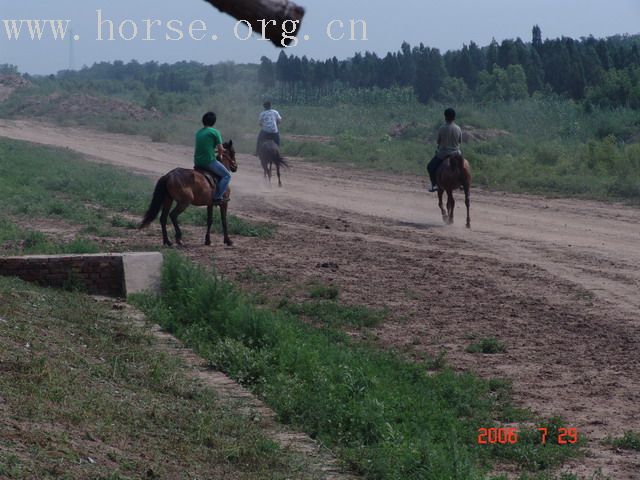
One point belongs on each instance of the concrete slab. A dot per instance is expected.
(114, 275)
(142, 272)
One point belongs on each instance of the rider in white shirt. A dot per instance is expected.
(269, 125)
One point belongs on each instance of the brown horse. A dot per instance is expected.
(269, 154)
(189, 187)
(454, 173)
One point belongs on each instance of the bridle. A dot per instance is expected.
(230, 160)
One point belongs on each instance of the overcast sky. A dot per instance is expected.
(444, 24)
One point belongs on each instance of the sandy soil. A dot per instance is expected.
(557, 280)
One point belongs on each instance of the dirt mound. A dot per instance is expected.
(83, 105)
(9, 83)
(470, 134)
(400, 130)
(474, 135)
(323, 139)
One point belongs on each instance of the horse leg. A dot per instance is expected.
(270, 171)
(451, 205)
(225, 228)
(442, 210)
(163, 221)
(174, 219)
(207, 238)
(278, 170)
(467, 201)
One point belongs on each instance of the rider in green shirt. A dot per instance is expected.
(208, 149)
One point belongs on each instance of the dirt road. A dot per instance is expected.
(557, 280)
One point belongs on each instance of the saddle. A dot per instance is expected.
(211, 178)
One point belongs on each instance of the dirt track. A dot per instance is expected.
(557, 280)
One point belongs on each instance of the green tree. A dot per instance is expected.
(430, 73)
(266, 73)
(502, 84)
(454, 90)
(536, 40)
(208, 78)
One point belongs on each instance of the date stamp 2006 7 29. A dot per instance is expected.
(510, 436)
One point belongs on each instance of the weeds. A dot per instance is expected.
(324, 292)
(487, 346)
(385, 417)
(629, 441)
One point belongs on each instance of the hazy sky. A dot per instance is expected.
(444, 24)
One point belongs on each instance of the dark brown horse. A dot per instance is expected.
(189, 187)
(269, 154)
(454, 173)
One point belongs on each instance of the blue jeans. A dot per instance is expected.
(433, 167)
(224, 178)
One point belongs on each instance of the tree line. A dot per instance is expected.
(599, 72)
(605, 72)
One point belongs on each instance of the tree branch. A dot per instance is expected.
(254, 11)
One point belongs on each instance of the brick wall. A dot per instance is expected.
(95, 274)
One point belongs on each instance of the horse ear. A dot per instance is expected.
(230, 143)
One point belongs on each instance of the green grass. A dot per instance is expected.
(40, 182)
(488, 346)
(629, 441)
(18, 240)
(333, 314)
(385, 417)
(85, 394)
(324, 292)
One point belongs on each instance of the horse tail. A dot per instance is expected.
(280, 160)
(270, 152)
(159, 195)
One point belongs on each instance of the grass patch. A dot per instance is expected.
(86, 395)
(20, 241)
(488, 346)
(383, 416)
(629, 441)
(437, 362)
(119, 221)
(333, 314)
(527, 451)
(324, 292)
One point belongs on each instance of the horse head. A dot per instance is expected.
(229, 157)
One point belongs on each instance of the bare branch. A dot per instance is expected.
(254, 11)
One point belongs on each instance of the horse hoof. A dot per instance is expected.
(207, 243)
(167, 244)
(228, 243)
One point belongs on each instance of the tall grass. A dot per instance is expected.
(386, 418)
